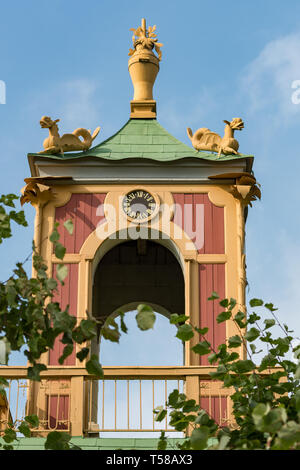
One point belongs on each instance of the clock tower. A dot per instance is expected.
(156, 222)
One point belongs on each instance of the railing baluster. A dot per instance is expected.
(102, 404)
(115, 405)
(166, 397)
(141, 422)
(9, 401)
(57, 408)
(90, 399)
(27, 395)
(153, 404)
(128, 410)
(18, 397)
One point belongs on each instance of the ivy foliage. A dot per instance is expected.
(265, 393)
(31, 319)
(7, 217)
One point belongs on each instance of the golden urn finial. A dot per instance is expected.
(143, 67)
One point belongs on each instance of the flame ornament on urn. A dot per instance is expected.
(143, 67)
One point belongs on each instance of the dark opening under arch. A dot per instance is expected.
(138, 271)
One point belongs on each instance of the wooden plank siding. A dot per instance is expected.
(86, 211)
(65, 295)
(211, 279)
(216, 407)
(186, 218)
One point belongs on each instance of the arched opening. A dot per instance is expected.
(130, 273)
(138, 271)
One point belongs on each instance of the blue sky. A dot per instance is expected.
(220, 60)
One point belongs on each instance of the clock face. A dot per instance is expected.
(139, 205)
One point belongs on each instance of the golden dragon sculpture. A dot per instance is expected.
(204, 139)
(68, 142)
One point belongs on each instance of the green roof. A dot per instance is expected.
(147, 139)
(96, 443)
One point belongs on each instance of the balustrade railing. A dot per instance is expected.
(68, 399)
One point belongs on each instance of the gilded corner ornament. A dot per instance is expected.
(68, 142)
(204, 139)
(36, 194)
(246, 188)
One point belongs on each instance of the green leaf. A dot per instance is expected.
(256, 302)
(239, 317)
(33, 373)
(54, 237)
(185, 332)
(220, 372)
(162, 442)
(11, 293)
(32, 420)
(173, 398)
(270, 307)
(288, 436)
(202, 331)
(252, 334)
(224, 316)
(214, 296)
(110, 330)
(61, 272)
(51, 284)
(234, 341)
(93, 367)
(212, 358)
(68, 349)
(243, 366)
(203, 418)
(224, 303)
(59, 250)
(190, 406)
(68, 224)
(297, 373)
(161, 413)
(269, 323)
(88, 328)
(57, 441)
(203, 347)
(124, 328)
(267, 361)
(24, 429)
(223, 442)
(199, 438)
(9, 435)
(253, 318)
(260, 410)
(145, 317)
(175, 318)
(83, 354)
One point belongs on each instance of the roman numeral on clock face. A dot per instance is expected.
(139, 204)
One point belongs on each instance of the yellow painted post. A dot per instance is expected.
(76, 406)
(192, 391)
